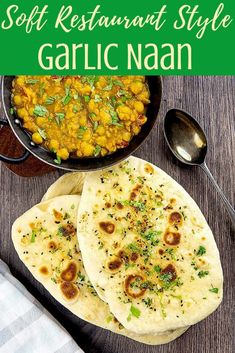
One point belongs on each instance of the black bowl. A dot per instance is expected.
(81, 164)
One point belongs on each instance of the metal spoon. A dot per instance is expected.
(187, 141)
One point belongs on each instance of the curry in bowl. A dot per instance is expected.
(81, 116)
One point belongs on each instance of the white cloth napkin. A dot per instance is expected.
(25, 326)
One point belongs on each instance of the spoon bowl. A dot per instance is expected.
(185, 137)
(187, 141)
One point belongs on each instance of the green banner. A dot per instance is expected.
(122, 37)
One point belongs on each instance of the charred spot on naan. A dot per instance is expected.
(175, 219)
(134, 256)
(69, 291)
(108, 205)
(172, 238)
(58, 216)
(126, 257)
(133, 286)
(159, 198)
(119, 205)
(52, 245)
(135, 192)
(148, 169)
(168, 207)
(173, 201)
(107, 227)
(123, 256)
(69, 274)
(114, 264)
(24, 241)
(32, 225)
(44, 270)
(67, 230)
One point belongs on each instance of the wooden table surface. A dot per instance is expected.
(212, 101)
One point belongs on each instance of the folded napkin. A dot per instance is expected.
(25, 326)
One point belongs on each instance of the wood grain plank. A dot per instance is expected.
(212, 101)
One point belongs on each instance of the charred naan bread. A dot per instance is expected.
(147, 248)
(45, 239)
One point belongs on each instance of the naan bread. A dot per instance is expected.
(67, 184)
(147, 248)
(45, 240)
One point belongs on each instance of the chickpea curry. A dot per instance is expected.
(81, 116)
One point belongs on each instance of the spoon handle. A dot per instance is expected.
(228, 206)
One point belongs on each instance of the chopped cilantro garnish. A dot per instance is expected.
(136, 204)
(202, 274)
(41, 89)
(53, 280)
(12, 110)
(67, 98)
(91, 80)
(157, 269)
(59, 117)
(60, 231)
(95, 125)
(124, 99)
(92, 115)
(97, 98)
(152, 236)
(115, 120)
(201, 251)
(166, 277)
(81, 131)
(214, 290)
(135, 311)
(31, 81)
(42, 133)
(170, 251)
(87, 99)
(97, 151)
(50, 100)
(40, 110)
(109, 85)
(113, 100)
(128, 265)
(184, 215)
(57, 160)
(118, 83)
(163, 311)
(147, 284)
(75, 109)
(66, 215)
(33, 235)
(81, 277)
(133, 247)
(148, 301)
(109, 319)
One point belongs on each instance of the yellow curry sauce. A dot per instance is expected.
(81, 116)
